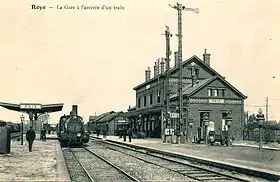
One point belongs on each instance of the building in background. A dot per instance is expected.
(110, 122)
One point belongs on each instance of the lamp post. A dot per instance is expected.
(228, 123)
(22, 119)
(260, 120)
(206, 122)
(191, 124)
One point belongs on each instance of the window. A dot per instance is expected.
(194, 72)
(158, 97)
(215, 93)
(151, 99)
(223, 92)
(145, 101)
(209, 92)
(197, 72)
(139, 102)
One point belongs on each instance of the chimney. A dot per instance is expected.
(75, 110)
(176, 59)
(147, 74)
(155, 70)
(162, 66)
(194, 78)
(158, 67)
(206, 57)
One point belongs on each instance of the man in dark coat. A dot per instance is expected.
(44, 132)
(124, 134)
(129, 133)
(30, 137)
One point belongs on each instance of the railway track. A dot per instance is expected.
(96, 168)
(192, 171)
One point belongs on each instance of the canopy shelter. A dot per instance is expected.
(33, 109)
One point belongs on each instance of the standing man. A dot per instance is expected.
(44, 134)
(30, 137)
(129, 132)
(124, 134)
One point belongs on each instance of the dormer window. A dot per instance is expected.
(215, 93)
(209, 92)
(223, 92)
(195, 72)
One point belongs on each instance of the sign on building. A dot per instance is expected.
(174, 115)
(30, 106)
(216, 101)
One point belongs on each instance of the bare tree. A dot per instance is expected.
(44, 118)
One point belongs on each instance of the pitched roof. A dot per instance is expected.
(92, 117)
(173, 70)
(194, 89)
(109, 117)
(103, 115)
(189, 90)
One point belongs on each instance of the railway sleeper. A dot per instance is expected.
(205, 175)
(193, 172)
(216, 178)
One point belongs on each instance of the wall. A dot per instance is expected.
(215, 115)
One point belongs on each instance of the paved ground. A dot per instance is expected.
(44, 163)
(245, 156)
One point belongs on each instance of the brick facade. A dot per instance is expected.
(204, 90)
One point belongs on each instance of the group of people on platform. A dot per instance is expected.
(31, 135)
(124, 132)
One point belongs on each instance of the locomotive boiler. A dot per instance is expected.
(71, 130)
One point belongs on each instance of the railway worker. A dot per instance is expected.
(124, 134)
(104, 133)
(30, 137)
(44, 132)
(129, 133)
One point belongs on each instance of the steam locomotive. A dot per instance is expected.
(71, 131)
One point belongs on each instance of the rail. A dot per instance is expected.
(192, 171)
(111, 164)
(82, 166)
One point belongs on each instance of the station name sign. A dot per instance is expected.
(216, 101)
(30, 106)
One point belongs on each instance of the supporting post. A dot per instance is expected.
(22, 119)
(260, 119)
(167, 88)
(21, 132)
(179, 8)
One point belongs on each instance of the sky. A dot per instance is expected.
(94, 58)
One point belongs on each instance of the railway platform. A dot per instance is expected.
(249, 157)
(44, 163)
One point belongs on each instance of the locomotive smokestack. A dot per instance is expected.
(75, 110)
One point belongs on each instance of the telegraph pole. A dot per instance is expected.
(167, 88)
(179, 8)
(266, 108)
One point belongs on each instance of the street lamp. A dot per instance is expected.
(22, 119)
(260, 120)
(206, 122)
(228, 123)
(191, 124)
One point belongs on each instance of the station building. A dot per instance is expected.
(204, 91)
